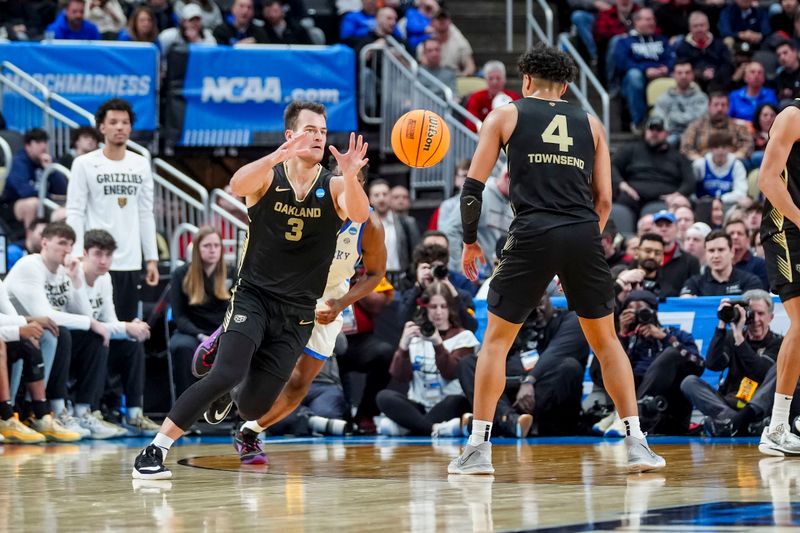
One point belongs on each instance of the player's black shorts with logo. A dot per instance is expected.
(782, 254)
(573, 252)
(279, 330)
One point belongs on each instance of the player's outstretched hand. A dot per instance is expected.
(354, 159)
(298, 145)
(472, 255)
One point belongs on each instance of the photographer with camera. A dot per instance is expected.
(427, 359)
(544, 376)
(745, 352)
(661, 357)
(430, 264)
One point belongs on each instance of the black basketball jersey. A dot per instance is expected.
(550, 162)
(291, 241)
(773, 220)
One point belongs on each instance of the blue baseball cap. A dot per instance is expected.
(664, 215)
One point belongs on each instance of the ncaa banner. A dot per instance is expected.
(87, 74)
(233, 95)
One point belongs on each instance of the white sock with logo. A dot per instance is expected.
(632, 428)
(481, 431)
(780, 412)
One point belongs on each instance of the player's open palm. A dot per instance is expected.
(298, 146)
(354, 159)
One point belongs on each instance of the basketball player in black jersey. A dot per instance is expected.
(296, 208)
(560, 190)
(779, 180)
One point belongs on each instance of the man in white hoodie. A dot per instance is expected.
(112, 189)
(126, 351)
(48, 284)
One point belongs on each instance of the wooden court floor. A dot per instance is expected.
(329, 485)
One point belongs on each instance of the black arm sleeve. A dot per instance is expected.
(471, 201)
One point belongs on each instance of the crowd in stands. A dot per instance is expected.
(684, 224)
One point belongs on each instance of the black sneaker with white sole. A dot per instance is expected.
(219, 409)
(149, 464)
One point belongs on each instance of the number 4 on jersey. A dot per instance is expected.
(556, 133)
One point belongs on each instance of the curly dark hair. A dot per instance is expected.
(548, 63)
(115, 104)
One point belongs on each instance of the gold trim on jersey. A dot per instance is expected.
(784, 263)
(294, 192)
(229, 313)
(776, 216)
(244, 252)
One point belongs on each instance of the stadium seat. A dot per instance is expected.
(752, 184)
(656, 88)
(469, 84)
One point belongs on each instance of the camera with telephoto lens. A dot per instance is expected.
(730, 313)
(421, 319)
(645, 315)
(439, 272)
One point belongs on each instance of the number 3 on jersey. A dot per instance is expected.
(556, 133)
(296, 224)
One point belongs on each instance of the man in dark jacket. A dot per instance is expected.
(544, 370)
(239, 28)
(719, 277)
(645, 173)
(281, 30)
(640, 58)
(676, 266)
(742, 21)
(743, 257)
(747, 351)
(709, 56)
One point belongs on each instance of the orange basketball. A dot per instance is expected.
(420, 138)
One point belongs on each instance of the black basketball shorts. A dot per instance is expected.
(279, 330)
(782, 254)
(573, 252)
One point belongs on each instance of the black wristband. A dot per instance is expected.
(471, 203)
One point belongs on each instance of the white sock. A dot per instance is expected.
(481, 431)
(253, 426)
(163, 442)
(317, 424)
(81, 409)
(632, 428)
(780, 412)
(134, 413)
(58, 406)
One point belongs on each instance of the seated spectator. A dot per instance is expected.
(426, 260)
(583, 16)
(677, 266)
(496, 217)
(281, 30)
(47, 284)
(782, 21)
(681, 105)
(209, 11)
(24, 20)
(84, 139)
(645, 270)
(611, 25)
(400, 201)
(199, 298)
(70, 23)
(142, 27)
(640, 58)
(742, 56)
(432, 63)
(720, 278)
(743, 257)
(694, 143)
(239, 27)
(684, 218)
(480, 103)
(645, 173)
(719, 173)
(644, 224)
(108, 16)
(743, 21)
(31, 245)
(427, 358)
(25, 176)
(694, 243)
(709, 56)
(416, 24)
(763, 119)
(661, 358)
(458, 279)
(745, 101)
(674, 201)
(357, 24)
(385, 25)
(672, 17)
(611, 241)
(401, 233)
(456, 50)
(189, 31)
(452, 203)
(787, 82)
(126, 349)
(746, 353)
(165, 17)
(544, 376)
(752, 217)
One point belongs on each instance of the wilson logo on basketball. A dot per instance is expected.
(433, 132)
(411, 127)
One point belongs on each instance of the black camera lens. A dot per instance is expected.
(440, 272)
(645, 316)
(730, 313)
(427, 328)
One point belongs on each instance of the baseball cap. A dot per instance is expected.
(655, 123)
(664, 215)
(191, 11)
(642, 296)
(699, 228)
